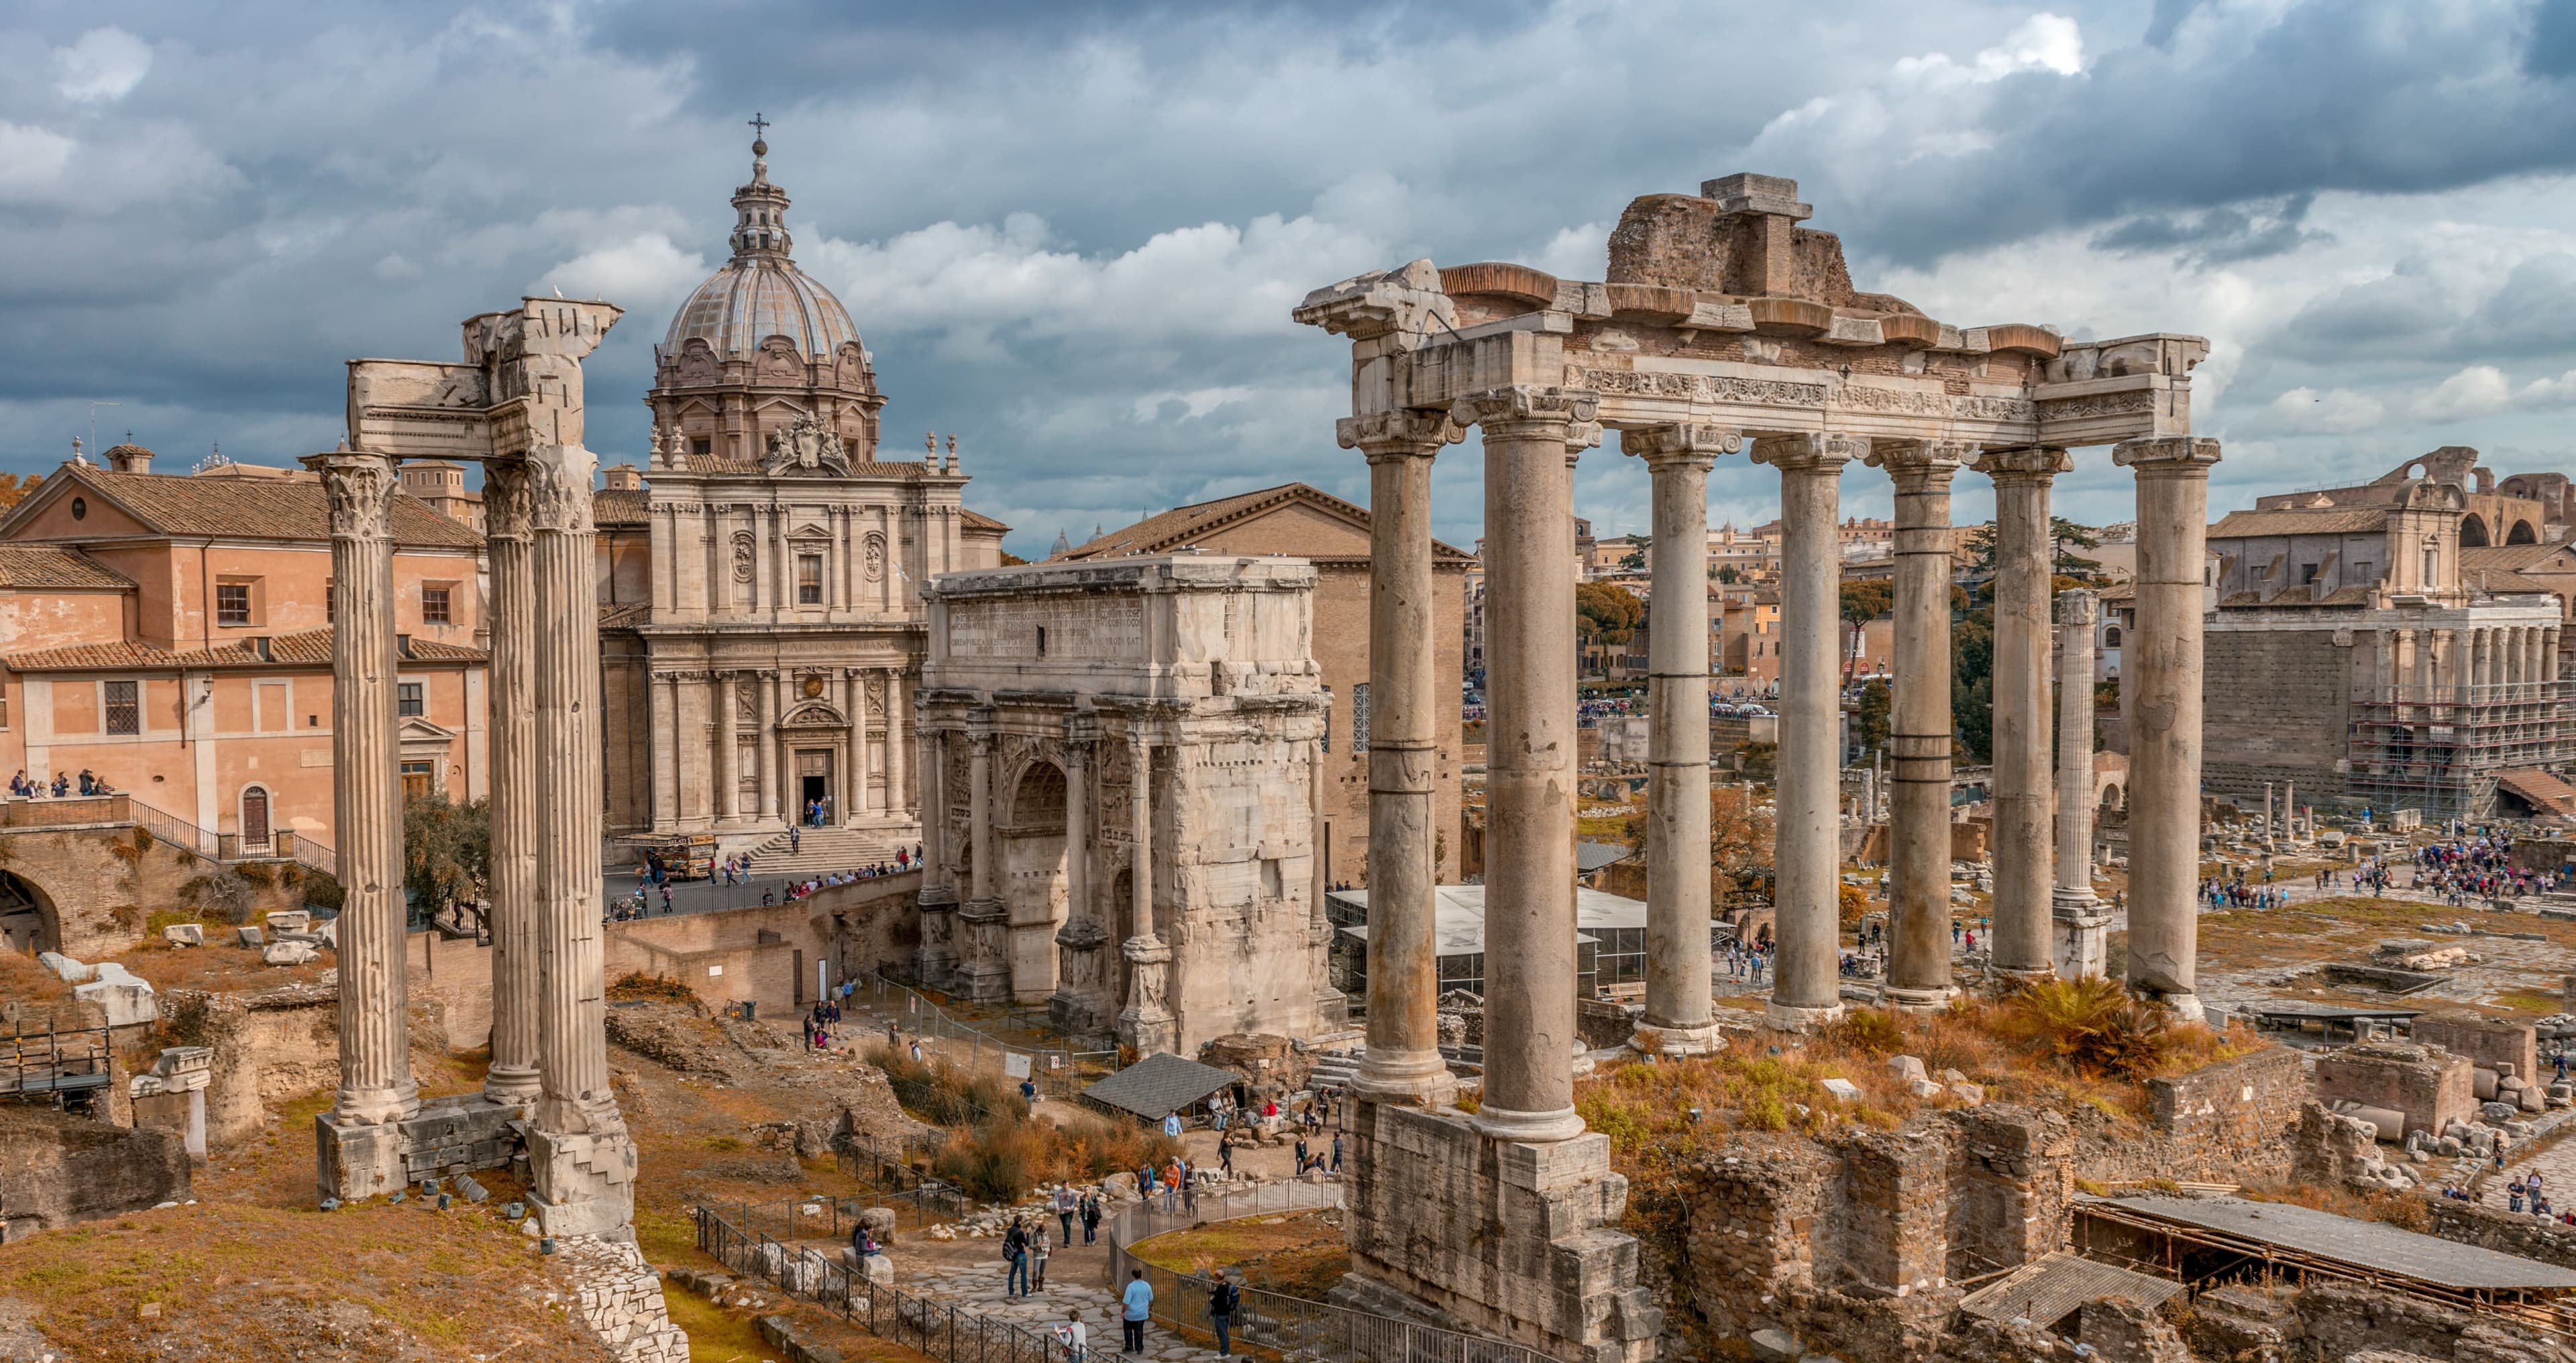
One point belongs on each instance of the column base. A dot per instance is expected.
(1656, 1039)
(1416, 1078)
(512, 1086)
(1527, 1128)
(377, 1106)
(1149, 1033)
(983, 981)
(2079, 939)
(2184, 1007)
(1917, 1000)
(581, 1182)
(354, 1160)
(1791, 1017)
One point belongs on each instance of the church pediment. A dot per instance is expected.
(816, 715)
(810, 533)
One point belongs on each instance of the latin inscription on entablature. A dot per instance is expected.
(1076, 627)
(1760, 392)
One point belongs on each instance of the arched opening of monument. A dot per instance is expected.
(28, 923)
(1034, 878)
(2473, 532)
(2522, 533)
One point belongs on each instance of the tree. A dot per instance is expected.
(1726, 573)
(2069, 537)
(1876, 719)
(1604, 614)
(1972, 684)
(14, 488)
(447, 851)
(1636, 558)
(1862, 603)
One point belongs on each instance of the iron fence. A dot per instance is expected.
(60, 1066)
(787, 1220)
(944, 1332)
(906, 1017)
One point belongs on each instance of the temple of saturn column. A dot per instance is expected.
(1723, 327)
(514, 403)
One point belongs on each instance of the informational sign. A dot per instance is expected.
(714, 970)
(1015, 1064)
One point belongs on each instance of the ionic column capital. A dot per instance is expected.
(2172, 456)
(559, 478)
(1516, 409)
(2039, 463)
(361, 488)
(1680, 444)
(1406, 433)
(1920, 465)
(1809, 451)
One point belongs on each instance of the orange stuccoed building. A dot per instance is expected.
(171, 634)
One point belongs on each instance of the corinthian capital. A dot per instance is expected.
(1920, 463)
(2042, 462)
(1809, 451)
(1404, 432)
(361, 489)
(1530, 404)
(2170, 454)
(1680, 443)
(2076, 608)
(509, 507)
(559, 488)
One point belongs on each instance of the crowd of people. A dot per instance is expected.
(26, 787)
(2467, 868)
(2220, 892)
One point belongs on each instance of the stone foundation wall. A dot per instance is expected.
(2227, 1121)
(2485, 1041)
(57, 1169)
(618, 1298)
(1515, 1240)
(271, 1047)
(2430, 1085)
(2472, 1223)
(103, 882)
(2294, 726)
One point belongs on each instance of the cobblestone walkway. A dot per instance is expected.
(2556, 1161)
(980, 1290)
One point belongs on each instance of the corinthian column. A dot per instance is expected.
(728, 749)
(1678, 1019)
(1805, 984)
(1918, 966)
(1531, 434)
(581, 1163)
(988, 968)
(2081, 927)
(375, 1020)
(2023, 902)
(896, 727)
(2165, 732)
(1402, 1062)
(1146, 1023)
(516, 953)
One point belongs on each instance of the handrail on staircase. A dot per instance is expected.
(120, 807)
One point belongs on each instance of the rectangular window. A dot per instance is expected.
(330, 604)
(408, 699)
(1359, 717)
(416, 778)
(2307, 572)
(1326, 743)
(809, 579)
(124, 714)
(433, 606)
(232, 603)
(702, 445)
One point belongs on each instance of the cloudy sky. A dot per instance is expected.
(1071, 232)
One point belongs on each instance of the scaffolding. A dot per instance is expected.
(2439, 749)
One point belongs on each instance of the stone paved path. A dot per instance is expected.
(2556, 1161)
(980, 1290)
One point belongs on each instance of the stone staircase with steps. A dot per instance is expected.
(824, 850)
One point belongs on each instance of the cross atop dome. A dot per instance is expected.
(760, 208)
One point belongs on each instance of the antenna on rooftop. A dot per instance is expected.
(94, 405)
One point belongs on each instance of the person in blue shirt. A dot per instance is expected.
(1172, 1125)
(1139, 1298)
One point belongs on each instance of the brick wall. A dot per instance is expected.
(2276, 708)
(103, 881)
(2431, 1086)
(2233, 1114)
(2485, 1041)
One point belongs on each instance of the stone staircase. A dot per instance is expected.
(825, 850)
(1336, 1069)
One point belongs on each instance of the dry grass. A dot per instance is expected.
(2004, 1046)
(1300, 1256)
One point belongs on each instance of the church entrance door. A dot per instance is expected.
(814, 784)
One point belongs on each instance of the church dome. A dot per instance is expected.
(760, 293)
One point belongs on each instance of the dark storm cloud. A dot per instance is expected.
(2218, 236)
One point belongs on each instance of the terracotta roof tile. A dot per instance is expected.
(2323, 521)
(307, 648)
(617, 506)
(977, 520)
(1181, 525)
(252, 508)
(55, 565)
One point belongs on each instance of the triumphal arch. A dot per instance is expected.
(1723, 328)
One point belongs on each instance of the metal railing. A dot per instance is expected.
(944, 1332)
(164, 826)
(834, 1218)
(59, 1065)
(1061, 1070)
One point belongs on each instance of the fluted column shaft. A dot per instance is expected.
(1918, 964)
(2023, 574)
(1402, 1062)
(1678, 1018)
(979, 808)
(1805, 984)
(897, 726)
(1530, 434)
(766, 748)
(375, 1020)
(2165, 732)
(572, 1037)
(855, 800)
(2079, 921)
(516, 950)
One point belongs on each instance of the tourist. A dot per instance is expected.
(2513, 1194)
(1015, 1249)
(62, 785)
(1038, 1252)
(1172, 1187)
(1222, 1299)
(18, 783)
(1065, 1206)
(1301, 1152)
(1029, 1091)
(1225, 1155)
(795, 840)
(1337, 1152)
(1139, 1302)
(1090, 1217)
(1172, 1125)
(1072, 1334)
(666, 898)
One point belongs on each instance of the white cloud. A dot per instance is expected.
(2478, 390)
(104, 64)
(31, 159)
(638, 271)
(1192, 405)
(2044, 42)
(2337, 410)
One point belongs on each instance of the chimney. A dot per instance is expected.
(129, 458)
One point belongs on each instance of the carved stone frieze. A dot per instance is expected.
(2128, 403)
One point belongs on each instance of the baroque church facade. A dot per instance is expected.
(762, 630)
